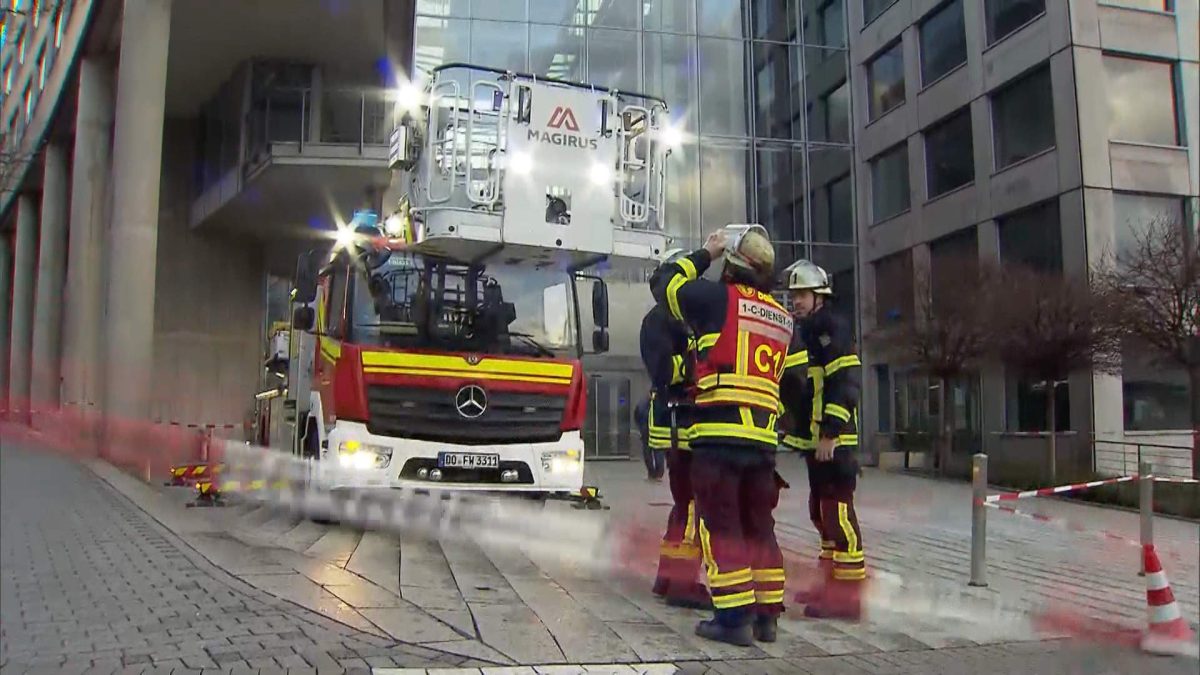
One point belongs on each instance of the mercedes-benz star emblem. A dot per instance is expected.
(473, 359)
(471, 401)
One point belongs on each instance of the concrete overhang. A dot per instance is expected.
(295, 195)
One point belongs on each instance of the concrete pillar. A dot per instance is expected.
(52, 268)
(91, 178)
(5, 316)
(24, 263)
(133, 244)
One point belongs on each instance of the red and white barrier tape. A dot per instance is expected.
(1043, 492)
(1070, 526)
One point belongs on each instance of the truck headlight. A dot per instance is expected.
(357, 455)
(562, 462)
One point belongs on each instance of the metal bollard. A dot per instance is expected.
(1146, 508)
(978, 521)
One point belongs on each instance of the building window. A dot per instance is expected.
(1026, 409)
(873, 8)
(1134, 213)
(613, 58)
(833, 23)
(836, 107)
(59, 21)
(1141, 101)
(883, 398)
(1023, 118)
(1004, 17)
(722, 87)
(1032, 237)
(1155, 392)
(943, 42)
(885, 80)
(841, 213)
(889, 183)
(777, 100)
(951, 258)
(894, 299)
(949, 154)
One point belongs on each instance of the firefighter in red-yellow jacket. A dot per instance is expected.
(742, 336)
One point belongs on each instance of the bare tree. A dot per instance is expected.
(946, 337)
(1046, 326)
(1157, 281)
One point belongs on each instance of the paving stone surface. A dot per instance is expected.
(307, 597)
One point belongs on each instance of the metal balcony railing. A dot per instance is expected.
(306, 117)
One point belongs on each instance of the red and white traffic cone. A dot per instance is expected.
(1169, 633)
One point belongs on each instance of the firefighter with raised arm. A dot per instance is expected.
(824, 425)
(742, 336)
(666, 353)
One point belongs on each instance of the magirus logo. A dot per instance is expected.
(563, 117)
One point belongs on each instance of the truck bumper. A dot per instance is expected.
(520, 467)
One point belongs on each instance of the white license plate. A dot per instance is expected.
(468, 460)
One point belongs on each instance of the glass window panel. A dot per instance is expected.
(444, 7)
(613, 59)
(725, 175)
(947, 257)
(722, 18)
(613, 13)
(1155, 392)
(774, 19)
(883, 398)
(833, 212)
(885, 80)
(824, 70)
(829, 194)
(676, 16)
(555, 11)
(499, 44)
(441, 41)
(943, 42)
(1141, 101)
(873, 8)
(949, 154)
(499, 10)
(722, 98)
(1032, 237)
(1006, 16)
(1023, 118)
(889, 183)
(683, 192)
(894, 297)
(824, 23)
(557, 51)
(839, 262)
(777, 111)
(1026, 405)
(671, 73)
(779, 180)
(1134, 213)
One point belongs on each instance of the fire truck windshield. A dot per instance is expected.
(411, 302)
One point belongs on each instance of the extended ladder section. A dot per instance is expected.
(534, 170)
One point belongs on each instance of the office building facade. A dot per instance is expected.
(1034, 132)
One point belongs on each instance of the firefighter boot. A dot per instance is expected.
(730, 626)
(766, 627)
(816, 590)
(842, 600)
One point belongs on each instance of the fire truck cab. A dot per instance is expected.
(442, 347)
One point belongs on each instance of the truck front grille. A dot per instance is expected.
(431, 415)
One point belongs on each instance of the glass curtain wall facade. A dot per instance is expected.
(759, 86)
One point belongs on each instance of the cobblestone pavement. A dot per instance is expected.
(71, 542)
(90, 583)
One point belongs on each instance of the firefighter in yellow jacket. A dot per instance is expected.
(742, 336)
(666, 353)
(824, 416)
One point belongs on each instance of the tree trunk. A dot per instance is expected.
(1194, 380)
(1052, 423)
